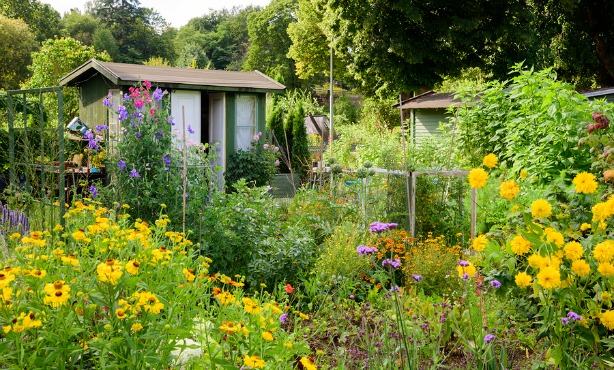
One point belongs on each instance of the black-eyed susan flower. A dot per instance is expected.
(57, 299)
(308, 364)
(189, 274)
(120, 313)
(251, 306)
(109, 271)
(132, 267)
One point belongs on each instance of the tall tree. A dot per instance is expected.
(81, 27)
(404, 45)
(270, 41)
(44, 21)
(16, 44)
(139, 32)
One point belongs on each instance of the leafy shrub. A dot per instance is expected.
(256, 165)
(301, 158)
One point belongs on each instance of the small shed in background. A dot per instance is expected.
(606, 93)
(423, 113)
(223, 107)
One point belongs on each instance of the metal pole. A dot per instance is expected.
(332, 132)
(407, 172)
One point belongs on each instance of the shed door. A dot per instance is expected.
(185, 109)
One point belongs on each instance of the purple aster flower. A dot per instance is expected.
(394, 264)
(417, 277)
(378, 227)
(158, 94)
(123, 113)
(495, 284)
(283, 318)
(93, 191)
(364, 250)
(564, 321)
(106, 102)
(466, 276)
(121, 165)
(574, 316)
(134, 173)
(463, 263)
(489, 338)
(170, 121)
(190, 129)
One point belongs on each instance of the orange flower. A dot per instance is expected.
(289, 289)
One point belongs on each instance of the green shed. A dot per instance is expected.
(423, 113)
(223, 107)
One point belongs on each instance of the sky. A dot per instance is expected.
(176, 12)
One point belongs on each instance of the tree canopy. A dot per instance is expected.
(44, 21)
(16, 44)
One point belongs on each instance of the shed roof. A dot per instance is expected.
(429, 99)
(596, 93)
(173, 77)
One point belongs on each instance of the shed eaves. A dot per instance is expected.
(129, 74)
(429, 99)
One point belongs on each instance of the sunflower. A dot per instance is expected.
(540, 208)
(585, 183)
(477, 178)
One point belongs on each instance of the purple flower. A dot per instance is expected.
(190, 129)
(170, 121)
(488, 338)
(564, 321)
(134, 173)
(495, 284)
(123, 113)
(574, 316)
(463, 263)
(106, 102)
(417, 277)
(283, 318)
(351, 296)
(158, 94)
(167, 160)
(101, 128)
(138, 135)
(121, 165)
(466, 276)
(93, 191)
(364, 250)
(158, 135)
(378, 227)
(395, 288)
(394, 264)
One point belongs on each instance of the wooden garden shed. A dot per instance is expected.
(424, 112)
(224, 107)
(606, 93)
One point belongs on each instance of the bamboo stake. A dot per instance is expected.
(185, 168)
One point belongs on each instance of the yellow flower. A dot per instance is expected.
(189, 274)
(254, 362)
(573, 250)
(549, 277)
(553, 236)
(580, 267)
(58, 298)
(267, 335)
(288, 344)
(121, 314)
(523, 174)
(520, 245)
(605, 297)
(308, 364)
(523, 279)
(136, 327)
(477, 178)
(57, 285)
(604, 251)
(540, 208)
(584, 182)
(132, 267)
(229, 327)
(79, 235)
(39, 274)
(71, 259)
(469, 270)
(109, 271)
(606, 269)
(251, 306)
(304, 316)
(509, 189)
(225, 298)
(479, 243)
(585, 227)
(607, 319)
(490, 160)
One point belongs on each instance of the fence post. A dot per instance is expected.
(474, 196)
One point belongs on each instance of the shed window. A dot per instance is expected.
(246, 121)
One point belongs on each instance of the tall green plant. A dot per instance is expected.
(300, 149)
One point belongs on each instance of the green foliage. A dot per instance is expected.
(530, 122)
(242, 233)
(56, 59)
(256, 165)
(192, 56)
(270, 41)
(43, 20)
(103, 40)
(16, 44)
(301, 158)
(345, 111)
(81, 27)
